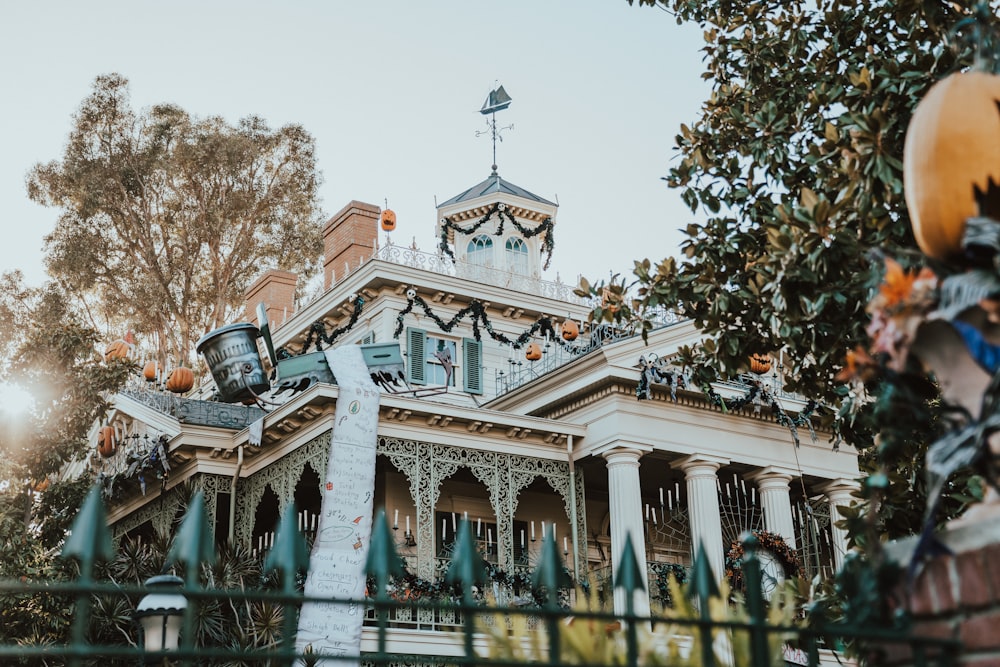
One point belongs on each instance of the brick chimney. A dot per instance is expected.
(348, 239)
(276, 290)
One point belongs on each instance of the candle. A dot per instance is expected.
(316, 516)
(743, 485)
(395, 519)
(565, 546)
(661, 496)
(654, 516)
(647, 511)
(670, 501)
(489, 537)
(753, 495)
(677, 491)
(407, 523)
(454, 524)
(532, 531)
(444, 528)
(465, 515)
(300, 520)
(522, 539)
(479, 522)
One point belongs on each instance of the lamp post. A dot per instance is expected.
(161, 613)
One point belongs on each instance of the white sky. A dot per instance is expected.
(391, 92)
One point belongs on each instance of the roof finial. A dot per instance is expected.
(497, 100)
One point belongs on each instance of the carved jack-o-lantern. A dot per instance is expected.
(760, 363)
(388, 220)
(533, 352)
(950, 166)
(121, 348)
(570, 330)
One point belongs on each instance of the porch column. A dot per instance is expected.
(700, 473)
(839, 494)
(625, 509)
(773, 483)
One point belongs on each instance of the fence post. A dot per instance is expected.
(192, 546)
(466, 570)
(551, 574)
(383, 562)
(89, 542)
(703, 586)
(629, 578)
(755, 601)
(288, 556)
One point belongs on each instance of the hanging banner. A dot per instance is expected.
(337, 561)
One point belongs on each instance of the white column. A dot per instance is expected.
(625, 508)
(839, 494)
(773, 484)
(703, 508)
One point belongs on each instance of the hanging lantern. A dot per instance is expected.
(150, 371)
(533, 352)
(181, 380)
(950, 166)
(106, 445)
(570, 330)
(388, 220)
(760, 363)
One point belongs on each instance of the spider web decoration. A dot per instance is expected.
(738, 508)
(668, 528)
(814, 536)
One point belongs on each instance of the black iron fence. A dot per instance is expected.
(703, 626)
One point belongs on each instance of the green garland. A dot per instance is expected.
(660, 588)
(771, 542)
(546, 226)
(651, 374)
(317, 334)
(476, 312)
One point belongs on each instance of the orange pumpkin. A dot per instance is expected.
(43, 485)
(570, 330)
(106, 445)
(119, 349)
(150, 370)
(181, 380)
(950, 155)
(388, 220)
(760, 363)
(533, 352)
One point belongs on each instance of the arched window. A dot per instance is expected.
(480, 250)
(517, 255)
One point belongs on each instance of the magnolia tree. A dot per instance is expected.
(794, 172)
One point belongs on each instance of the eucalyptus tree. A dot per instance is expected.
(166, 218)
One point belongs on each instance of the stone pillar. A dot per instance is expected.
(625, 501)
(839, 494)
(703, 508)
(773, 484)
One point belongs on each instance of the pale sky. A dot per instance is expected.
(391, 92)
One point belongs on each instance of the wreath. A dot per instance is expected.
(660, 586)
(773, 543)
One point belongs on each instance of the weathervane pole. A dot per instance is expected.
(497, 100)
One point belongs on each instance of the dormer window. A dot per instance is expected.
(480, 251)
(517, 255)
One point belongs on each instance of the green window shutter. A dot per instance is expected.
(415, 355)
(472, 365)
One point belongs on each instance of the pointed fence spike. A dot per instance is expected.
(703, 584)
(550, 572)
(383, 560)
(629, 576)
(193, 543)
(466, 564)
(290, 553)
(89, 539)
